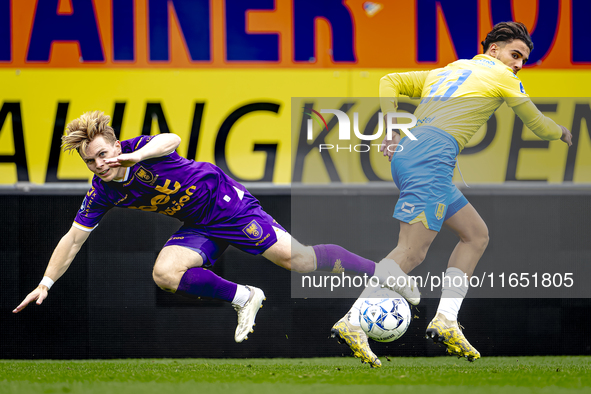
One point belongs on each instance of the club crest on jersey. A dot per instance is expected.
(440, 211)
(144, 175)
(253, 230)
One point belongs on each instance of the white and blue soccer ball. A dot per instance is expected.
(385, 316)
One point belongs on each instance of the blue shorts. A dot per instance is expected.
(252, 231)
(423, 172)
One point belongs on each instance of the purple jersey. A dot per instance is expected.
(196, 193)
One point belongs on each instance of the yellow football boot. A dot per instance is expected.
(449, 333)
(356, 339)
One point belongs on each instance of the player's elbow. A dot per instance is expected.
(545, 132)
(173, 142)
(167, 143)
(176, 140)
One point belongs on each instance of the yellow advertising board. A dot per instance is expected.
(246, 122)
(224, 74)
(252, 106)
(503, 150)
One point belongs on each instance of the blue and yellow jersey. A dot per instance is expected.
(462, 96)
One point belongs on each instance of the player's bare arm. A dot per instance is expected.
(60, 260)
(160, 145)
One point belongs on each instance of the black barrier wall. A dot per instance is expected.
(107, 306)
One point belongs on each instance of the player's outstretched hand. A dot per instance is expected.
(566, 136)
(123, 160)
(388, 147)
(39, 294)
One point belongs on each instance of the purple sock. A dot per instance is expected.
(199, 282)
(335, 259)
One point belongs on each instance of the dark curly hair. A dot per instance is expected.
(507, 32)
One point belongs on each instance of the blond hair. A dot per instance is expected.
(80, 132)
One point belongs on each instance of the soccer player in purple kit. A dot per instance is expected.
(146, 173)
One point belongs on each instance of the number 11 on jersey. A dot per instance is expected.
(451, 86)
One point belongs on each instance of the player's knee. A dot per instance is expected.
(162, 278)
(483, 238)
(411, 256)
(479, 237)
(158, 277)
(417, 256)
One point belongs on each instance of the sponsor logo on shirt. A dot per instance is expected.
(485, 62)
(161, 201)
(253, 230)
(521, 88)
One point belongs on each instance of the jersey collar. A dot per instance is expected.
(125, 178)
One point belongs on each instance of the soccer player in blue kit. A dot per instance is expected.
(456, 101)
(146, 173)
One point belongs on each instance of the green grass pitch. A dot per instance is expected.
(322, 375)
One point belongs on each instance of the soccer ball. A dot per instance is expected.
(385, 317)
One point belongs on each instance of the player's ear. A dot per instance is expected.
(493, 49)
(118, 146)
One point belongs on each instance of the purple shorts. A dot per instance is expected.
(252, 231)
